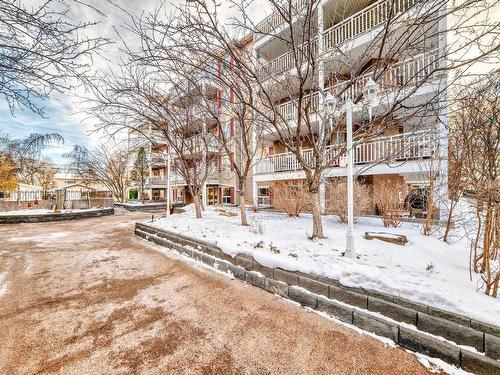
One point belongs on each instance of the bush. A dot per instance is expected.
(337, 199)
(389, 204)
(291, 197)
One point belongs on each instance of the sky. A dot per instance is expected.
(63, 111)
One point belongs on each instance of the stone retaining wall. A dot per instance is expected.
(356, 306)
(42, 218)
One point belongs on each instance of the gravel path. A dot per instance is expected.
(88, 297)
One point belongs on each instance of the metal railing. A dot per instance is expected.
(287, 60)
(407, 146)
(405, 73)
(289, 111)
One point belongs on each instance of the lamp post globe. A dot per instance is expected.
(370, 91)
(330, 103)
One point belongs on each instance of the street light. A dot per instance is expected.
(330, 102)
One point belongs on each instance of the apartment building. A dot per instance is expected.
(200, 125)
(415, 145)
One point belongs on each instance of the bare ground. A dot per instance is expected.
(88, 297)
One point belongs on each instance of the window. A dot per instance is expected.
(341, 138)
(225, 165)
(263, 196)
(69, 182)
(226, 131)
(226, 196)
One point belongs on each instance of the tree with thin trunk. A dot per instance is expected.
(106, 164)
(140, 171)
(476, 133)
(43, 51)
(23, 156)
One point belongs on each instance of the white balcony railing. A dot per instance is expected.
(402, 74)
(364, 20)
(357, 24)
(273, 21)
(400, 147)
(288, 110)
(405, 73)
(287, 60)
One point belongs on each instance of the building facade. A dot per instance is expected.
(418, 145)
(409, 153)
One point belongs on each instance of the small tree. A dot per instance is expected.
(291, 197)
(337, 202)
(390, 205)
(140, 171)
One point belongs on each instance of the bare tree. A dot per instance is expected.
(476, 134)
(407, 54)
(42, 51)
(106, 165)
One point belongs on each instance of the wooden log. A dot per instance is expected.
(397, 239)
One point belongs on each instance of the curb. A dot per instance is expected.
(44, 218)
(353, 307)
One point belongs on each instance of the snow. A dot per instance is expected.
(43, 211)
(425, 270)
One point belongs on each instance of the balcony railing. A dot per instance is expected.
(357, 24)
(273, 21)
(287, 60)
(400, 147)
(364, 20)
(402, 74)
(405, 73)
(288, 110)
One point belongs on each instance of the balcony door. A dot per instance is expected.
(212, 196)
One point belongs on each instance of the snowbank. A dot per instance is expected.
(426, 270)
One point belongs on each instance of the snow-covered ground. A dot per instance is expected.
(426, 270)
(43, 211)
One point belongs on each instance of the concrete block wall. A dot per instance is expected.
(356, 306)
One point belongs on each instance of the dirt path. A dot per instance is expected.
(88, 297)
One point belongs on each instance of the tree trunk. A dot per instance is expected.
(243, 209)
(316, 216)
(197, 205)
(449, 220)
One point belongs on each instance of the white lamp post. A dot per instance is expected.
(350, 251)
(370, 92)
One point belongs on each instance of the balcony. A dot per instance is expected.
(401, 147)
(157, 181)
(286, 61)
(273, 21)
(178, 179)
(402, 74)
(353, 26)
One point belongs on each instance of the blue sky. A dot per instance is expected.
(62, 111)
